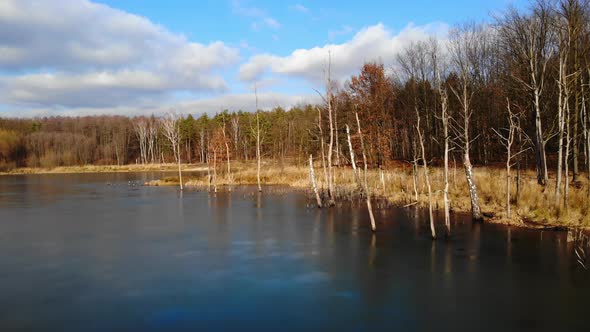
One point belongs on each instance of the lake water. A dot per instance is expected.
(100, 252)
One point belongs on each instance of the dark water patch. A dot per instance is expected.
(93, 252)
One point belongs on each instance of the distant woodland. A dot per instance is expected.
(522, 79)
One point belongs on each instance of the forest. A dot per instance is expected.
(512, 93)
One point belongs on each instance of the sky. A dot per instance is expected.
(138, 57)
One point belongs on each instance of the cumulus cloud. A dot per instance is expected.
(374, 43)
(75, 52)
(97, 89)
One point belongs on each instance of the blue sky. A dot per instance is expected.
(304, 24)
(78, 57)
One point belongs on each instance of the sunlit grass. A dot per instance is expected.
(535, 203)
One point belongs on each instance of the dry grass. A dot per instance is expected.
(102, 169)
(534, 206)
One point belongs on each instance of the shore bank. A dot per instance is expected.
(533, 208)
(106, 169)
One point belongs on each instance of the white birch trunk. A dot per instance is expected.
(367, 191)
(313, 182)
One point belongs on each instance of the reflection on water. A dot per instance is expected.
(103, 253)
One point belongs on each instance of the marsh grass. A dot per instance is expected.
(534, 206)
(102, 169)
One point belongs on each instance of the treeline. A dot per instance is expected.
(119, 140)
(530, 68)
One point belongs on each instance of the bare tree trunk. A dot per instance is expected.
(172, 132)
(337, 138)
(235, 122)
(313, 182)
(508, 185)
(209, 178)
(415, 170)
(542, 174)
(331, 144)
(469, 176)
(475, 209)
(215, 170)
(322, 145)
(225, 140)
(508, 141)
(352, 159)
(445, 123)
(426, 175)
(561, 101)
(258, 157)
(179, 168)
(585, 122)
(567, 153)
(367, 191)
(454, 172)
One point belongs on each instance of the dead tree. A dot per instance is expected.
(507, 139)
(313, 182)
(445, 118)
(366, 184)
(141, 130)
(585, 128)
(426, 175)
(258, 156)
(415, 170)
(170, 127)
(328, 100)
(562, 101)
(209, 175)
(227, 154)
(528, 41)
(152, 139)
(214, 169)
(352, 159)
(337, 139)
(322, 149)
(463, 48)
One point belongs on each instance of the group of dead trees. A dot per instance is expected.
(335, 153)
(495, 85)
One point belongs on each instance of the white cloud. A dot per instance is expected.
(374, 43)
(98, 89)
(75, 52)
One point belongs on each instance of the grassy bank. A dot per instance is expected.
(534, 206)
(103, 169)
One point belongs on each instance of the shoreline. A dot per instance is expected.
(297, 178)
(396, 191)
(133, 168)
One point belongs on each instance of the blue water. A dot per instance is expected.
(103, 253)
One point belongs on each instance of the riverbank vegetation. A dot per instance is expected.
(512, 93)
(400, 186)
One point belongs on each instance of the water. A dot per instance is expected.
(103, 253)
